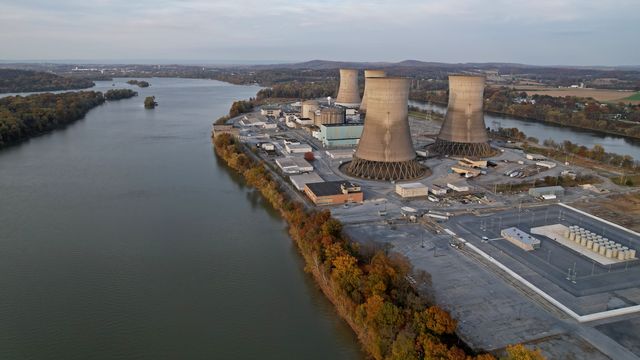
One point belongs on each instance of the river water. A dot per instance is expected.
(123, 237)
(542, 131)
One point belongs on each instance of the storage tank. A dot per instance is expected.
(348, 92)
(369, 74)
(330, 115)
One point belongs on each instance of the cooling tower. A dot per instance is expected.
(463, 131)
(385, 150)
(348, 93)
(369, 74)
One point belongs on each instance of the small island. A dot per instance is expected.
(150, 102)
(117, 94)
(140, 83)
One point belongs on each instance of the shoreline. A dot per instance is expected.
(342, 273)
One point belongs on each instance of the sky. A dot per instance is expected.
(540, 32)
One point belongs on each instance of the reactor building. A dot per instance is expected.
(369, 74)
(463, 132)
(385, 150)
(348, 92)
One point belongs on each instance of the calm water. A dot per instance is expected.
(611, 143)
(122, 237)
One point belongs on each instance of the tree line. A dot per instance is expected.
(139, 83)
(118, 94)
(370, 291)
(12, 80)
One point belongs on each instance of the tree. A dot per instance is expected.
(150, 102)
(519, 352)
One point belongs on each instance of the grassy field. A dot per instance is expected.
(634, 97)
(620, 209)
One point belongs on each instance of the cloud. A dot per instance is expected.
(292, 29)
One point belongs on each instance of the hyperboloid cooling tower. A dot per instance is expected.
(369, 74)
(463, 131)
(348, 92)
(385, 150)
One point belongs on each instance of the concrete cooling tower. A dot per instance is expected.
(463, 131)
(385, 150)
(369, 74)
(348, 93)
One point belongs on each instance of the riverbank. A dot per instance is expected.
(543, 121)
(371, 292)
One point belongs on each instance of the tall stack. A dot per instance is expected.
(385, 150)
(369, 74)
(463, 131)
(348, 93)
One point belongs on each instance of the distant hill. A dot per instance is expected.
(13, 80)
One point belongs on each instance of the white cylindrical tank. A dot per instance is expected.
(621, 255)
(595, 247)
(572, 236)
(632, 253)
(609, 253)
(567, 233)
(602, 250)
(589, 244)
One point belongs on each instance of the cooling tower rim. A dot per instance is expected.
(376, 71)
(378, 79)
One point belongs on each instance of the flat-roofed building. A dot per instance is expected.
(297, 148)
(546, 190)
(520, 238)
(438, 190)
(334, 192)
(459, 187)
(414, 189)
(299, 181)
(294, 165)
(271, 110)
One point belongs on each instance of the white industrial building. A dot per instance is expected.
(294, 165)
(547, 164)
(297, 148)
(536, 157)
(437, 190)
(412, 189)
(340, 153)
(520, 239)
(458, 187)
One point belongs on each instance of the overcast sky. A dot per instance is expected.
(571, 32)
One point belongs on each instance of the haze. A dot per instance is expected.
(544, 32)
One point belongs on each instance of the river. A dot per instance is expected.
(123, 237)
(542, 131)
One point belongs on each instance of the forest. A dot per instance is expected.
(12, 81)
(139, 83)
(118, 94)
(584, 113)
(370, 290)
(22, 117)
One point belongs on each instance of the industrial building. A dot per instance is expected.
(385, 150)
(334, 192)
(437, 190)
(463, 131)
(546, 164)
(340, 135)
(458, 187)
(369, 74)
(416, 189)
(294, 165)
(299, 181)
(520, 238)
(329, 115)
(536, 157)
(340, 154)
(309, 108)
(271, 110)
(297, 148)
(546, 190)
(348, 92)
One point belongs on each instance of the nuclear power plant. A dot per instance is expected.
(348, 92)
(369, 74)
(385, 150)
(463, 131)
